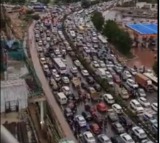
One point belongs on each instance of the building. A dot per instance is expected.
(14, 95)
(150, 6)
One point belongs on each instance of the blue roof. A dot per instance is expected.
(144, 28)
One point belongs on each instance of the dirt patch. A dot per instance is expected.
(144, 57)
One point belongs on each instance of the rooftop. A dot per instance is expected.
(144, 28)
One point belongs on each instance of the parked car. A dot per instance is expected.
(80, 120)
(139, 132)
(102, 107)
(154, 106)
(112, 115)
(143, 101)
(87, 115)
(117, 108)
(88, 137)
(118, 127)
(102, 138)
(108, 98)
(95, 128)
(127, 138)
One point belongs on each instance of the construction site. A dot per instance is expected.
(25, 115)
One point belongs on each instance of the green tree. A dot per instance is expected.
(155, 67)
(98, 20)
(117, 36)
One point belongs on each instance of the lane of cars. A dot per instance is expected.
(92, 119)
(86, 40)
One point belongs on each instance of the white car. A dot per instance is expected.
(80, 120)
(139, 132)
(117, 108)
(130, 82)
(85, 73)
(102, 138)
(65, 79)
(136, 106)
(66, 90)
(88, 137)
(154, 106)
(143, 101)
(54, 71)
(57, 77)
(108, 98)
(127, 138)
(77, 63)
(74, 70)
(126, 75)
(95, 64)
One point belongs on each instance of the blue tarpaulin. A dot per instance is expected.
(144, 28)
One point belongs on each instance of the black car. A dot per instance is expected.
(97, 87)
(87, 116)
(90, 80)
(84, 85)
(68, 112)
(116, 139)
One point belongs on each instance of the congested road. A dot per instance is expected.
(50, 45)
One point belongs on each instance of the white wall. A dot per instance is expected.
(142, 4)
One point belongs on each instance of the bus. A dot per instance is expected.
(102, 39)
(153, 79)
(60, 65)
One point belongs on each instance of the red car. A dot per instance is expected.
(102, 107)
(95, 128)
(116, 79)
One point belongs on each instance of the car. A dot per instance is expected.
(88, 137)
(118, 127)
(130, 82)
(139, 132)
(140, 92)
(126, 138)
(97, 118)
(116, 79)
(95, 64)
(68, 112)
(95, 128)
(65, 80)
(85, 73)
(112, 115)
(102, 107)
(79, 119)
(154, 106)
(87, 115)
(133, 71)
(90, 80)
(117, 108)
(66, 90)
(108, 98)
(77, 63)
(57, 77)
(116, 139)
(143, 101)
(74, 70)
(136, 106)
(126, 75)
(97, 87)
(123, 93)
(102, 138)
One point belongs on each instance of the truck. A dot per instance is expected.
(144, 81)
(101, 72)
(76, 82)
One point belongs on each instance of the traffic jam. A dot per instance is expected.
(92, 114)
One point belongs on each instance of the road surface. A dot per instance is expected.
(48, 93)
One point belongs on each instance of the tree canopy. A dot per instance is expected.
(98, 20)
(119, 37)
(155, 67)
